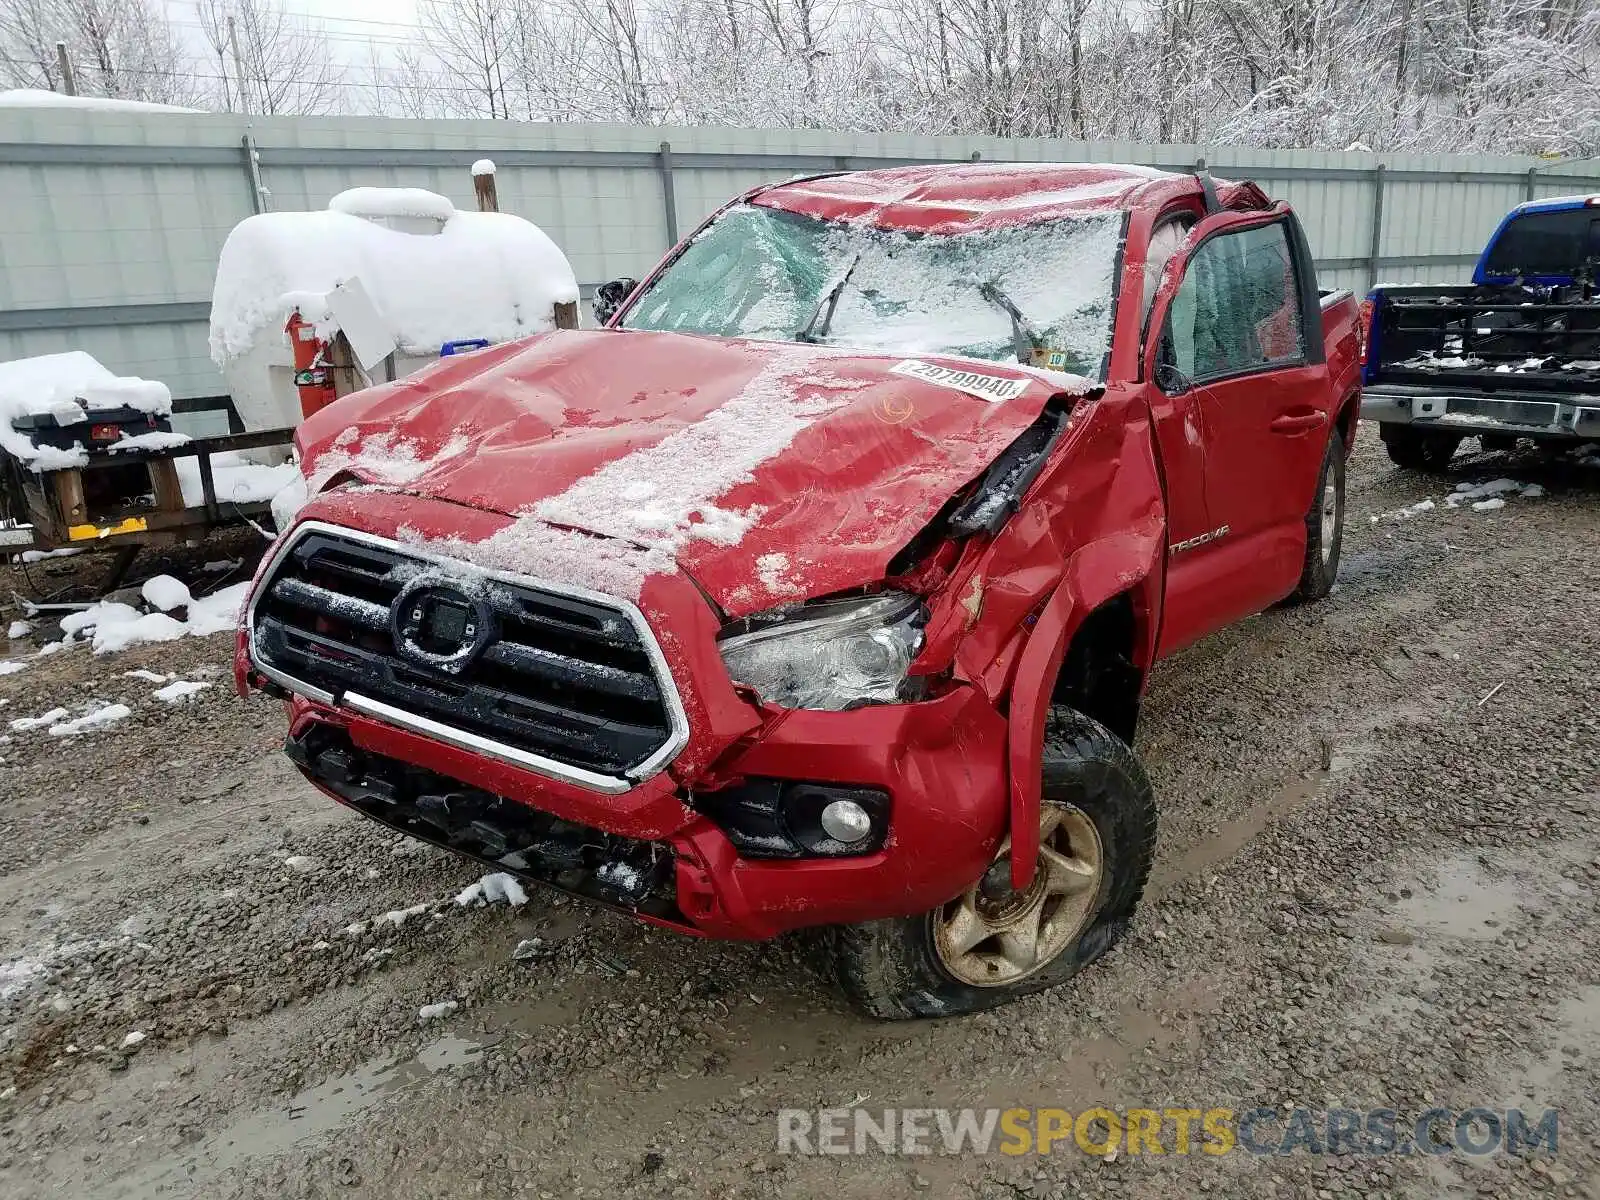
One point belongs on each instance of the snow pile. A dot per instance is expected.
(1486, 497)
(488, 275)
(432, 1012)
(179, 691)
(235, 479)
(166, 593)
(27, 724)
(399, 916)
(156, 439)
(392, 202)
(1406, 513)
(129, 1041)
(19, 629)
(37, 98)
(62, 386)
(493, 889)
(112, 626)
(98, 716)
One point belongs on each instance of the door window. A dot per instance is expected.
(1238, 307)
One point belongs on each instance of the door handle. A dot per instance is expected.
(1298, 422)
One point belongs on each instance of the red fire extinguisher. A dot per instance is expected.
(312, 375)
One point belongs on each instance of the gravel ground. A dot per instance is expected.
(1379, 850)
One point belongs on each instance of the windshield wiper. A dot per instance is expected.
(830, 301)
(1023, 340)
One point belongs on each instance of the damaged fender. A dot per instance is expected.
(1127, 557)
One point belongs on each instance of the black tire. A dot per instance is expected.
(891, 970)
(1419, 449)
(1321, 566)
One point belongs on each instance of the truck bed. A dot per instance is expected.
(1485, 359)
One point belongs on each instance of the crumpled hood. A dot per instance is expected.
(769, 472)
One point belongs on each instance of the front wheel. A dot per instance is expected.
(990, 944)
(1324, 529)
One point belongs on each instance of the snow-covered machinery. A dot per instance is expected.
(90, 457)
(313, 305)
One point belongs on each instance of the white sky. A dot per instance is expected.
(349, 25)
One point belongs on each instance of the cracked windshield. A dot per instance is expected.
(1039, 292)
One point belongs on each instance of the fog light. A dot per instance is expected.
(846, 821)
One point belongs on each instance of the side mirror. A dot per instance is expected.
(1171, 380)
(609, 297)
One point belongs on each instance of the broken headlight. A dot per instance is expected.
(834, 655)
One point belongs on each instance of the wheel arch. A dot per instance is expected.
(1348, 419)
(1111, 590)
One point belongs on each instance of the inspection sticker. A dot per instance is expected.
(993, 388)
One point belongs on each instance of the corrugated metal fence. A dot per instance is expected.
(111, 222)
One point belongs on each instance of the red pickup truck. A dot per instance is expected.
(820, 587)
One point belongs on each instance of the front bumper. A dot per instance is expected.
(1512, 414)
(941, 763)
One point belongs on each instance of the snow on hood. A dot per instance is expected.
(62, 386)
(483, 275)
(768, 471)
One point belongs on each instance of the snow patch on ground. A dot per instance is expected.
(17, 974)
(19, 629)
(11, 667)
(26, 724)
(33, 556)
(1406, 513)
(113, 626)
(166, 593)
(96, 718)
(493, 889)
(399, 916)
(183, 689)
(432, 1012)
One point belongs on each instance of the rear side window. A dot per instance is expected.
(1238, 307)
(1547, 243)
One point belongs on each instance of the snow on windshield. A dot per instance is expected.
(761, 273)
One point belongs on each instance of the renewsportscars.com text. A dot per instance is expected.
(1167, 1130)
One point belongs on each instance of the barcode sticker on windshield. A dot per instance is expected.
(993, 388)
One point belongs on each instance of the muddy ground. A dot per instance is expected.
(1379, 852)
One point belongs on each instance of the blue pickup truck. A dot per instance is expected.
(1514, 354)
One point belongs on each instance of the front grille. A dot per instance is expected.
(572, 680)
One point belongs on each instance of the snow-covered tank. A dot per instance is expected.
(433, 275)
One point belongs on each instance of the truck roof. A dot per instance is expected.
(951, 197)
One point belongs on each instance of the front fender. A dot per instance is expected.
(1122, 563)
